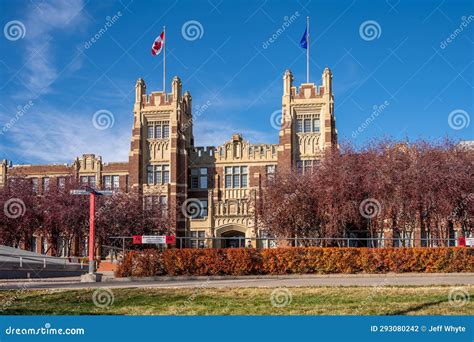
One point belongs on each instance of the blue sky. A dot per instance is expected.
(57, 79)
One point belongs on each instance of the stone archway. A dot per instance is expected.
(233, 236)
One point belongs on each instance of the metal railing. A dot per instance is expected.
(241, 241)
(260, 242)
(45, 260)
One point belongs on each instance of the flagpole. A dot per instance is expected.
(307, 51)
(164, 59)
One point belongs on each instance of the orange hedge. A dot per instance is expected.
(248, 261)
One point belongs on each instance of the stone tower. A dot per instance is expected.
(161, 136)
(308, 123)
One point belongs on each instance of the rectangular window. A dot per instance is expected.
(84, 180)
(164, 201)
(299, 166)
(88, 181)
(107, 182)
(236, 177)
(194, 182)
(148, 202)
(270, 171)
(34, 184)
(299, 125)
(307, 125)
(199, 178)
(316, 125)
(150, 131)
(45, 184)
(166, 174)
(236, 181)
(149, 172)
(203, 208)
(305, 166)
(308, 166)
(158, 132)
(158, 174)
(203, 181)
(61, 183)
(228, 181)
(198, 239)
(115, 182)
(166, 131)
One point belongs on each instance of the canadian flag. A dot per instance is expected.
(158, 44)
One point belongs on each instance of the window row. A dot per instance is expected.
(158, 174)
(45, 182)
(109, 182)
(236, 177)
(198, 239)
(154, 202)
(158, 130)
(308, 126)
(305, 166)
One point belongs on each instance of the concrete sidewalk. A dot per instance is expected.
(391, 279)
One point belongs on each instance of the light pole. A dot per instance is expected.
(92, 195)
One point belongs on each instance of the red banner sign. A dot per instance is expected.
(170, 239)
(145, 239)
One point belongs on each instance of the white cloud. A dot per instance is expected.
(52, 137)
(43, 22)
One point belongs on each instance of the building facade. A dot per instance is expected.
(214, 186)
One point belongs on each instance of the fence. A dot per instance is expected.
(124, 243)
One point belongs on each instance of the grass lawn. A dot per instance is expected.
(409, 300)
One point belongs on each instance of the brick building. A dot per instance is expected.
(213, 185)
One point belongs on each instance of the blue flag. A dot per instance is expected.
(304, 40)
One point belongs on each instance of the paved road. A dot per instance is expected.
(249, 281)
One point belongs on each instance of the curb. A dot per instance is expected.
(276, 277)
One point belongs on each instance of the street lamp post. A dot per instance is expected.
(92, 195)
